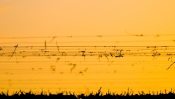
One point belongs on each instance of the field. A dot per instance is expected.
(97, 95)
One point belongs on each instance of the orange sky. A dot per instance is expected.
(125, 22)
(82, 17)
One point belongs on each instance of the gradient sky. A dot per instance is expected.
(82, 17)
(142, 22)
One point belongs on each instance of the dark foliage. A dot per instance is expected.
(98, 95)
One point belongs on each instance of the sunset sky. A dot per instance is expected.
(36, 36)
(86, 17)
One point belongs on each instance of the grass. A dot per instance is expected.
(97, 95)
